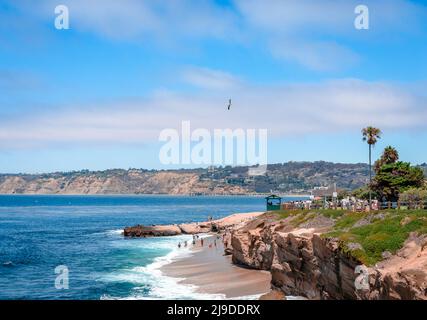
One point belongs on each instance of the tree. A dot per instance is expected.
(362, 193)
(394, 178)
(371, 136)
(390, 155)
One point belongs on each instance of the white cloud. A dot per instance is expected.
(289, 109)
(304, 31)
(138, 20)
(308, 31)
(319, 56)
(211, 79)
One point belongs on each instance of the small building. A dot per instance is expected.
(273, 202)
(328, 192)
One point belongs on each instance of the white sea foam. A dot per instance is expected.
(115, 232)
(162, 286)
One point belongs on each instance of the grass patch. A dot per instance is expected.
(379, 236)
(298, 216)
(386, 231)
(283, 214)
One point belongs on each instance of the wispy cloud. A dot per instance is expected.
(318, 56)
(137, 20)
(286, 110)
(305, 32)
(14, 81)
(211, 79)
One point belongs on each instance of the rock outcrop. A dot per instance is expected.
(152, 231)
(303, 263)
(190, 228)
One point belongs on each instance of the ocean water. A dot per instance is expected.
(83, 233)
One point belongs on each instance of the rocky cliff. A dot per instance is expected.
(304, 261)
(116, 182)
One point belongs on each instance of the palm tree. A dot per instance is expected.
(390, 155)
(371, 136)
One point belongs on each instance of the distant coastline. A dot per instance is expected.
(289, 179)
(292, 178)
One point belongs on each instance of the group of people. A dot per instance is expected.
(196, 237)
(351, 203)
(348, 203)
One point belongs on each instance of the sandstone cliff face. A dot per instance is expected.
(122, 182)
(302, 263)
(313, 266)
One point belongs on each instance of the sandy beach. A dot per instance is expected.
(214, 273)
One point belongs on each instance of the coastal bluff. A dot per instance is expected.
(306, 258)
(217, 225)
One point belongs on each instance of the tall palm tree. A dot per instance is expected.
(371, 136)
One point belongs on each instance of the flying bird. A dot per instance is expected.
(229, 104)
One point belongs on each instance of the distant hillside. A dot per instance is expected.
(291, 177)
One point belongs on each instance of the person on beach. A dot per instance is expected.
(215, 243)
(179, 244)
(185, 243)
(201, 242)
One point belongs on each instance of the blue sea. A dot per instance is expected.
(83, 233)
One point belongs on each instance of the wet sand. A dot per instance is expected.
(214, 273)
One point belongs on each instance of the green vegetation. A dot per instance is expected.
(390, 155)
(300, 216)
(393, 178)
(283, 214)
(383, 231)
(363, 193)
(376, 232)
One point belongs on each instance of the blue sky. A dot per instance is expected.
(97, 95)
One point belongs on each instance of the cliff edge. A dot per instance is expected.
(336, 254)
